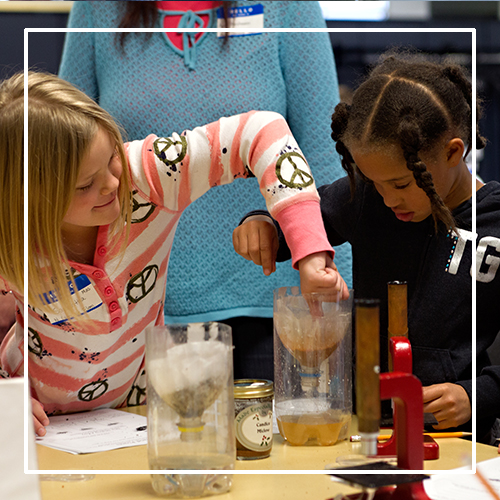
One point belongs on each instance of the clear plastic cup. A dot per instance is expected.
(312, 363)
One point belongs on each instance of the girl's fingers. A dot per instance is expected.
(268, 249)
(40, 418)
(240, 242)
(39, 428)
(257, 241)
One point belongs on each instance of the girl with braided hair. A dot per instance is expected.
(406, 209)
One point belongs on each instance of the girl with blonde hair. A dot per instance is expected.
(102, 217)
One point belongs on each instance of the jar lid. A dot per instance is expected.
(247, 388)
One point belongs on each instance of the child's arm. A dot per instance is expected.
(11, 350)
(40, 419)
(318, 273)
(257, 239)
(173, 172)
(449, 403)
(11, 363)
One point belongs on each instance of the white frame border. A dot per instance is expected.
(27, 421)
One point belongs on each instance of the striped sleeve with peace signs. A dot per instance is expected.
(181, 168)
(173, 172)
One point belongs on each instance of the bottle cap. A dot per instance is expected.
(249, 388)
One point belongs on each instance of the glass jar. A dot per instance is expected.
(253, 408)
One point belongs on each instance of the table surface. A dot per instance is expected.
(284, 457)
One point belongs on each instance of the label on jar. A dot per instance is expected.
(254, 427)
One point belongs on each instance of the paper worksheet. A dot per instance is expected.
(93, 431)
(465, 486)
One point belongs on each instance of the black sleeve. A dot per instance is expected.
(338, 210)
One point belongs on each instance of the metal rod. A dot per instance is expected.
(367, 372)
(398, 308)
(397, 311)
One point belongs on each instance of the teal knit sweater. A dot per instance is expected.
(148, 88)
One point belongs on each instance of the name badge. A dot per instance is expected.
(242, 17)
(88, 295)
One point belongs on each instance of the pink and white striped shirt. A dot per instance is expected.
(101, 365)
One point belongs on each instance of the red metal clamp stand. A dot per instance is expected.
(407, 442)
(406, 391)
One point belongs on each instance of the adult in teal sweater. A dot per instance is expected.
(152, 84)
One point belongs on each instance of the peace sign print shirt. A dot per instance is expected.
(100, 362)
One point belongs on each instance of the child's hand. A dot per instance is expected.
(449, 403)
(257, 240)
(40, 418)
(318, 273)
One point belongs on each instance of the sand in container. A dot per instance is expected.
(189, 378)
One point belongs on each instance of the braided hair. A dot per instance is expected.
(412, 103)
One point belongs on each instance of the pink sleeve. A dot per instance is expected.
(303, 228)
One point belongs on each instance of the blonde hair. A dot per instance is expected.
(62, 123)
(11, 180)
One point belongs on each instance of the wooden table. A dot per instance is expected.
(284, 457)
(245, 487)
